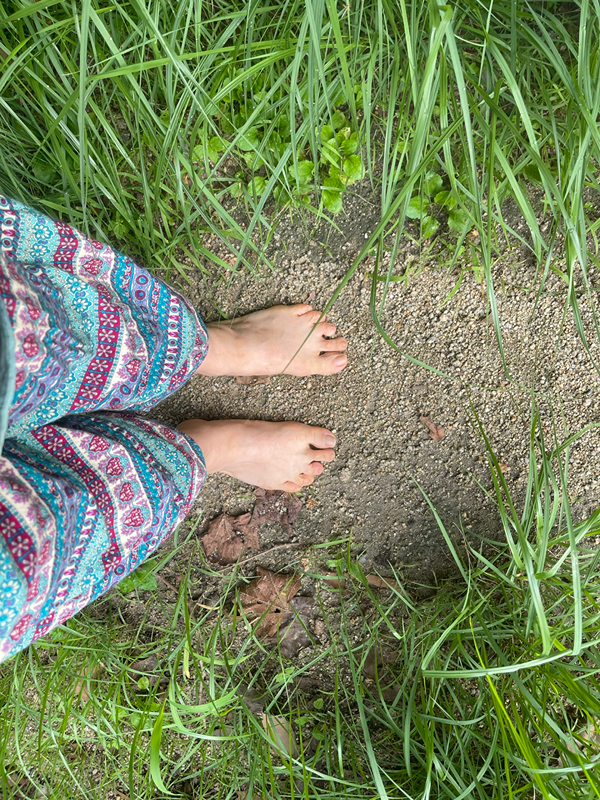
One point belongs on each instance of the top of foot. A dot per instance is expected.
(286, 340)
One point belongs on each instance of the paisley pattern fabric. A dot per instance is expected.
(88, 486)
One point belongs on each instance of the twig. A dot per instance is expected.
(262, 553)
(167, 583)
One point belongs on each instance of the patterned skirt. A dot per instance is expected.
(88, 487)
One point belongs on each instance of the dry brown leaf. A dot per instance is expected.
(81, 689)
(145, 664)
(229, 537)
(274, 506)
(335, 582)
(280, 732)
(503, 467)
(382, 583)
(378, 658)
(243, 794)
(24, 786)
(587, 739)
(268, 596)
(436, 431)
(295, 636)
(373, 580)
(252, 380)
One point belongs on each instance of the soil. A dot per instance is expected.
(390, 459)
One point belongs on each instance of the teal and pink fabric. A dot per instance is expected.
(89, 486)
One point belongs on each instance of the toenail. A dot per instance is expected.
(340, 361)
(330, 440)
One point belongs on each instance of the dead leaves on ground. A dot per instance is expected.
(436, 431)
(269, 601)
(376, 581)
(267, 598)
(91, 673)
(280, 732)
(229, 537)
(272, 506)
(270, 604)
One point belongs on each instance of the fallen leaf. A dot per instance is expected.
(435, 431)
(267, 598)
(229, 537)
(335, 582)
(81, 687)
(382, 583)
(252, 380)
(274, 506)
(280, 732)
(377, 659)
(295, 636)
(244, 794)
(24, 786)
(373, 580)
(145, 664)
(503, 467)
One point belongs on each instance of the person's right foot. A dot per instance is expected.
(272, 455)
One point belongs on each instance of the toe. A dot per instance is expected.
(301, 308)
(320, 438)
(315, 468)
(333, 345)
(305, 480)
(322, 455)
(332, 362)
(326, 329)
(315, 316)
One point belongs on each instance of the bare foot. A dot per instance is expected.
(272, 455)
(274, 341)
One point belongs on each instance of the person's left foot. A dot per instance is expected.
(273, 455)
(281, 339)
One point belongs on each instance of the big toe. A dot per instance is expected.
(321, 438)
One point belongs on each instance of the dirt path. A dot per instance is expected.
(375, 406)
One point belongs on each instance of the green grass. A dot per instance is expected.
(156, 125)
(488, 690)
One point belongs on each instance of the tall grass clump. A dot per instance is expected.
(489, 689)
(150, 123)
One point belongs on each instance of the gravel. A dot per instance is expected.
(386, 459)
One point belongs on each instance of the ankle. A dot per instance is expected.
(223, 351)
(215, 440)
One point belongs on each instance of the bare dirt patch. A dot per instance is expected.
(387, 455)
